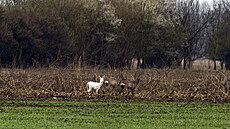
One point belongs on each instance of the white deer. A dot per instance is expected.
(95, 85)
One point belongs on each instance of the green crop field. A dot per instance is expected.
(102, 113)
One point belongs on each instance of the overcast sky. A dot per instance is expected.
(209, 1)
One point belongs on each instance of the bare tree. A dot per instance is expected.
(215, 33)
(193, 25)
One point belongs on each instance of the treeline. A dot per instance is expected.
(110, 33)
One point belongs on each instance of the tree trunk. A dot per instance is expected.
(209, 64)
(139, 63)
(222, 65)
(143, 65)
(214, 61)
(185, 63)
(189, 63)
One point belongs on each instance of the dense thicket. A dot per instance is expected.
(111, 33)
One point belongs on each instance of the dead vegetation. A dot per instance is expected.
(143, 84)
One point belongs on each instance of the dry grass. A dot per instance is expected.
(154, 84)
(205, 64)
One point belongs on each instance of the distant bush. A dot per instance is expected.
(30, 39)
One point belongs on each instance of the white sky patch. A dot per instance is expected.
(208, 1)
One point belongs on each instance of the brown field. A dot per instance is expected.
(204, 64)
(163, 84)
